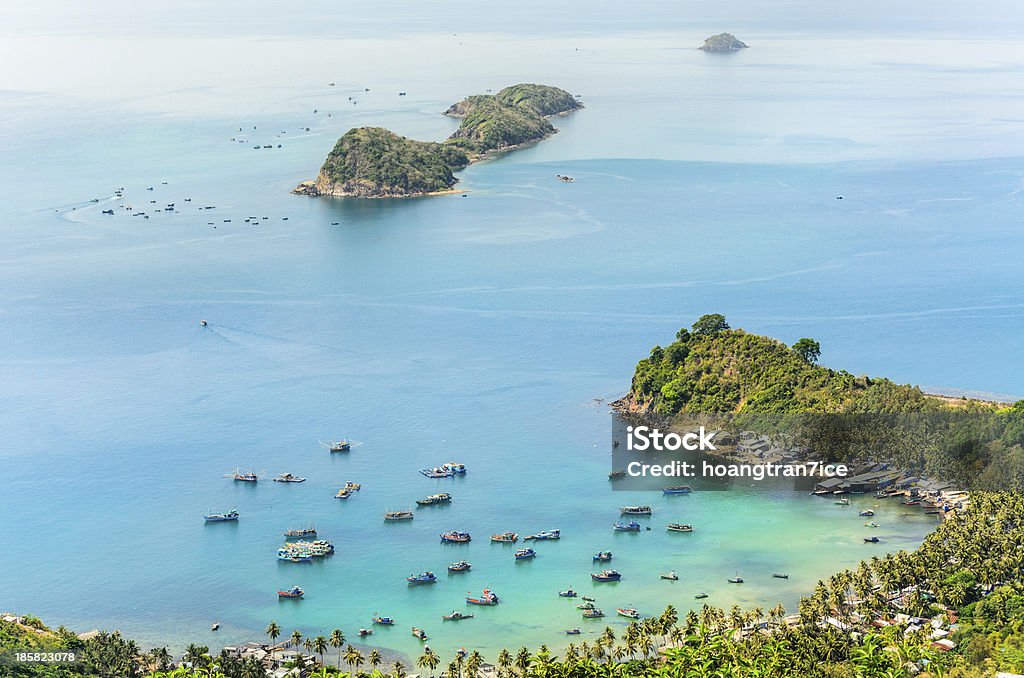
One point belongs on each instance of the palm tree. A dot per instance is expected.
(505, 660)
(337, 640)
(320, 645)
(273, 630)
(353, 657)
(523, 661)
(296, 638)
(473, 664)
(428, 660)
(374, 659)
(398, 671)
(161, 657)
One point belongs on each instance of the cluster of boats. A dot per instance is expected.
(346, 492)
(305, 551)
(445, 470)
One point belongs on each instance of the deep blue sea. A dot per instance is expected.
(489, 329)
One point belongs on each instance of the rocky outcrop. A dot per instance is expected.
(723, 42)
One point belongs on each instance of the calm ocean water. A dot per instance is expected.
(479, 329)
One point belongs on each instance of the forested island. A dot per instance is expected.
(723, 42)
(713, 373)
(372, 162)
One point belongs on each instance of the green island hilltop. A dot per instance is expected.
(372, 162)
(713, 373)
(723, 42)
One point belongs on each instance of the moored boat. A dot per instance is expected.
(437, 472)
(353, 487)
(419, 633)
(636, 510)
(455, 467)
(780, 575)
(616, 474)
(606, 575)
(365, 632)
(671, 576)
(701, 596)
(338, 445)
(866, 514)
(398, 515)
(676, 489)
(871, 540)
(842, 502)
(301, 532)
(487, 597)
(680, 527)
(735, 580)
(245, 476)
(456, 616)
(872, 524)
(221, 517)
(384, 621)
(592, 613)
(505, 537)
(631, 526)
(602, 556)
(442, 498)
(460, 566)
(456, 537)
(523, 554)
(422, 578)
(628, 612)
(545, 534)
(343, 494)
(568, 593)
(293, 592)
(572, 632)
(288, 478)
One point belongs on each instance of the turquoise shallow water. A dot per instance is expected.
(479, 329)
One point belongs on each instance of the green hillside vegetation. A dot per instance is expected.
(375, 162)
(759, 383)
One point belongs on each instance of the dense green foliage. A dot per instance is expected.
(745, 381)
(372, 161)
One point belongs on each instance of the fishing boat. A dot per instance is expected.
(442, 498)
(398, 515)
(701, 596)
(455, 467)
(383, 621)
(677, 489)
(460, 566)
(780, 575)
(294, 556)
(616, 474)
(505, 537)
(353, 487)
(288, 478)
(587, 605)
(293, 592)
(245, 476)
(592, 613)
(301, 532)
(568, 593)
(343, 494)
(338, 445)
(635, 510)
(603, 556)
(487, 597)
(456, 616)
(866, 514)
(631, 526)
(842, 502)
(911, 502)
(422, 578)
(214, 626)
(419, 633)
(523, 554)
(671, 576)
(680, 527)
(628, 612)
(545, 534)
(735, 580)
(436, 473)
(221, 517)
(872, 524)
(572, 632)
(871, 540)
(590, 599)
(365, 632)
(456, 537)
(606, 575)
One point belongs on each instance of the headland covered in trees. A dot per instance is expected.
(713, 374)
(372, 162)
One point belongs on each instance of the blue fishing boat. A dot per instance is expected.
(572, 632)
(384, 621)
(293, 592)
(456, 537)
(568, 593)
(606, 575)
(523, 554)
(677, 489)
(221, 517)
(422, 578)
(631, 526)
(455, 468)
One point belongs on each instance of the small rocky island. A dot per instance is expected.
(372, 162)
(723, 42)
